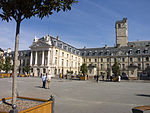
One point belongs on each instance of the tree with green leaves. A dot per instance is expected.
(116, 69)
(20, 10)
(27, 68)
(1, 62)
(84, 69)
(7, 65)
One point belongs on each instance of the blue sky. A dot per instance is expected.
(90, 23)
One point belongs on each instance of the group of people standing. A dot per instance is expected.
(46, 79)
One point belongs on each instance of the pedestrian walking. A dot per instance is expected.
(44, 81)
(97, 78)
(102, 77)
(48, 80)
(119, 78)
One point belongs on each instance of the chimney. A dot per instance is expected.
(57, 37)
(35, 39)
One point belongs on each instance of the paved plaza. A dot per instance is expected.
(74, 96)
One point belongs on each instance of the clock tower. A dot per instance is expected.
(121, 33)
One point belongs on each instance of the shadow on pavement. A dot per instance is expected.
(38, 86)
(144, 95)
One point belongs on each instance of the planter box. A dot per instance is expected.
(141, 109)
(115, 79)
(5, 75)
(45, 106)
(83, 77)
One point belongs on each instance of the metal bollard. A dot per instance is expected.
(53, 100)
(14, 110)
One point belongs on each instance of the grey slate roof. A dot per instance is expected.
(133, 48)
(22, 53)
(62, 45)
(139, 43)
(114, 51)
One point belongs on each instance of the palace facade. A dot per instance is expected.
(51, 55)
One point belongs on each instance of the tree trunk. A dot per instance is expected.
(14, 83)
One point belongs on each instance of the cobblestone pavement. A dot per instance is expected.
(74, 96)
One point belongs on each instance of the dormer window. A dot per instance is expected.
(70, 49)
(94, 53)
(130, 51)
(100, 53)
(138, 51)
(66, 47)
(60, 45)
(146, 51)
(83, 53)
(89, 53)
(107, 52)
(55, 43)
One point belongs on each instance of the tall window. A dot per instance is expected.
(84, 60)
(72, 63)
(76, 58)
(107, 59)
(55, 60)
(139, 66)
(89, 60)
(75, 64)
(131, 59)
(139, 59)
(62, 54)
(95, 60)
(147, 65)
(101, 66)
(101, 59)
(67, 63)
(56, 52)
(107, 66)
(147, 59)
(115, 60)
(123, 59)
(62, 62)
(123, 66)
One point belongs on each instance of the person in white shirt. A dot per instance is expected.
(119, 78)
(48, 80)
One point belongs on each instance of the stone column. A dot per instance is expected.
(42, 58)
(48, 58)
(36, 58)
(31, 58)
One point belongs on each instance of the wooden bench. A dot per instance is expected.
(141, 109)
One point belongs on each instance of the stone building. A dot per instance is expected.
(51, 55)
